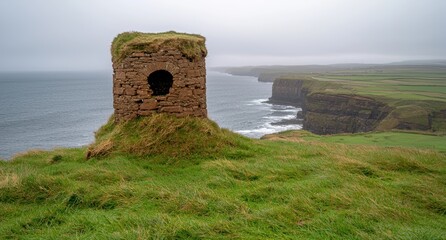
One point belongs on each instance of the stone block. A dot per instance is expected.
(138, 54)
(198, 92)
(172, 109)
(185, 93)
(130, 92)
(118, 91)
(130, 74)
(120, 75)
(150, 105)
(141, 92)
(165, 103)
(145, 112)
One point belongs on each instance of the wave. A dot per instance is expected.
(280, 117)
(258, 102)
(272, 115)
(267, 128)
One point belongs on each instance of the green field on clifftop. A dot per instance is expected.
(419, 140)
(398, 84)
(231, 188)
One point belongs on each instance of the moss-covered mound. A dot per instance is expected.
(191, 45)
(166, 136)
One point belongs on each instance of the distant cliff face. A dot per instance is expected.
(287, 91)
(268, 77)
(336, 113)
(330, 113)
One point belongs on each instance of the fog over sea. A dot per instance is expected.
(45, 110)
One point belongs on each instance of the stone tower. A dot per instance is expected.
(158, 72)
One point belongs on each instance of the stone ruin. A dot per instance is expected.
(158, 73)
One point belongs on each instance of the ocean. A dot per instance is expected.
(45, 110)
(239, 103)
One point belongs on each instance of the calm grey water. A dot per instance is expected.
(63, 109)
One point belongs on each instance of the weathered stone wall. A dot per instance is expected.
(132, 94)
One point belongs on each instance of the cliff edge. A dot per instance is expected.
(331, 107)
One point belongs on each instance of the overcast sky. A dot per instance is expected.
(76, 34)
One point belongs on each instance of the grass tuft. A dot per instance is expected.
(167, 136)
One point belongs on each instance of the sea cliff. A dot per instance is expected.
(326, 110)
(290, 92)
(338, 113)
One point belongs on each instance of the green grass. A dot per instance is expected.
(384, 139)
(253, 189)
(191, 46)
(401, 83)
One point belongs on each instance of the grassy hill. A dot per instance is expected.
(167, 178)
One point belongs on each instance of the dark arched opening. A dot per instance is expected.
(160, 82)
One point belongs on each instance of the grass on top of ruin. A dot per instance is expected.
(253, 189)
(190, 45)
